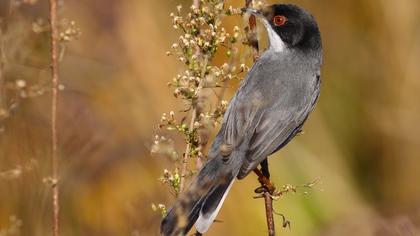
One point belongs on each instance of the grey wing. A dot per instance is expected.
(268, 111)
(244, 111)
(276, 126)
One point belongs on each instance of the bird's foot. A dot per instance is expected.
(262, 191)
(266, 185)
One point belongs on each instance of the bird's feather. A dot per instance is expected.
(270, 110)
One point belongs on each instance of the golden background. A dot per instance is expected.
(362, 139)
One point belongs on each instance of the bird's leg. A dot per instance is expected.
(264, 169)
(264, 178)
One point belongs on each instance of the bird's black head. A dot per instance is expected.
(296, 27)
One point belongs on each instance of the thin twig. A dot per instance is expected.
(2, 69)
(268, 200)
(201, 145)
(253, 42)
(269, 214)
(187, 154)
(54, 103)
(194, 117)
(196, 4)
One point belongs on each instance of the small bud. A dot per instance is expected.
(177, 92)
(229, 53)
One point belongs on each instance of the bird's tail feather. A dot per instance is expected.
(202, 201)
(211, 206)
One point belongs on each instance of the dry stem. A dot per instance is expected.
(187, 154)
(269, 214)
(194, 116)
(2, 67)
(54, 103)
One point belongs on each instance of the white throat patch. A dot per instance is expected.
(276, 43)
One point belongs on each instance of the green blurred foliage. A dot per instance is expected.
(362, 139)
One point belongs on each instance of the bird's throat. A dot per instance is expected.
(276, 43)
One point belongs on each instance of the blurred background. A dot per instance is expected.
(362, 141)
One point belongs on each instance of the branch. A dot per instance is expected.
(187, 153)
(54, 103)
(194, 116)
(2, 69)
(253, 42)
(269, 214)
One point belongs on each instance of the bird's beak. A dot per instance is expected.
(252, 11)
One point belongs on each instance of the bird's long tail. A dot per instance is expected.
(202, 201)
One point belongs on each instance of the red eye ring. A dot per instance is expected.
(279, 20)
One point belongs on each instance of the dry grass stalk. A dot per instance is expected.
(54, 103)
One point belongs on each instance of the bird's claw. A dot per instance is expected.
(260, 190)
(271, 190)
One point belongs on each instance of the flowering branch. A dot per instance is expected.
(202, 36)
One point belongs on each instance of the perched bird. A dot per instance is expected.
(267, 111)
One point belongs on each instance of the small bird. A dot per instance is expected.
(268, 110)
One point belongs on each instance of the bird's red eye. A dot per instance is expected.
(279, 20)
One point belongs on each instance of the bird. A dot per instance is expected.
(267, 111)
